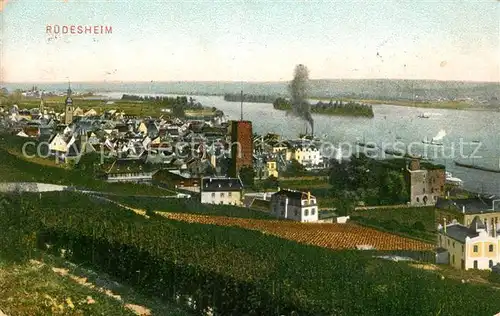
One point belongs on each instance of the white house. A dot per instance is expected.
(307, 155)
(58, 146)
(129, 170)
(221, 191)
(295, 205)
(469, 247)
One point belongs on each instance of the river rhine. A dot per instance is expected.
(468, 133)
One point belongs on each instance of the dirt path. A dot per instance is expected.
(100, 282)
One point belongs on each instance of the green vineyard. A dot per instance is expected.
(232, 270)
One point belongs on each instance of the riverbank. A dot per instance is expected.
(450, 105)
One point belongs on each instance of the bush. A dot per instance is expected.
(494, 277)
(419, 226)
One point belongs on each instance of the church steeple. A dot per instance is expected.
(42, 104)
(69, 89)
(68, 113)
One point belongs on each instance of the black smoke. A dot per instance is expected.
(299, 88)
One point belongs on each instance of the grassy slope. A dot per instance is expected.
(362, 285)
(189, 206)
(32, 289)
(15, 168)
(401, 221)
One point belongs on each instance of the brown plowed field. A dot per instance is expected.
(334, 236)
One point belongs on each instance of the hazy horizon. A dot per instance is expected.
(243, 81)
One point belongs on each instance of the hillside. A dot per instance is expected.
(377, 89)
(233, 270)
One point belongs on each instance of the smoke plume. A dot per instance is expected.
(299, 87)
(440, 135)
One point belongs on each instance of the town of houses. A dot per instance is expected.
(193, 155)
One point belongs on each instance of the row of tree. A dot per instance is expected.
(362, 179)
(334, 108)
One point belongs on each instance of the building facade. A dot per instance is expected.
(425, 185)
(241, 146)
(272, 169)
(468, 247)
(295, 205)
(227, 191)
(463, 211)
(307, 156)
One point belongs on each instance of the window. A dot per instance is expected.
(306, 212)
(296, 213)
(230, 194)
(213, 195)
(490, 264)
(453, 244)
(462, 248)
(313, 211)
(418, 200)
(475, 264)
(490, 248)
(423, 190)
(448, 242)
(222, 195)
(453, 259)
(475, 249)
(282, 212)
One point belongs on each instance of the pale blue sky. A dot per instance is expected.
(252, 40)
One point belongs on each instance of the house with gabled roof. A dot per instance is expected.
(295, 205)
(58, 146)
(468, 247)
(129, 170)
(216, 190)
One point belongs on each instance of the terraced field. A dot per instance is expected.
(333, 236)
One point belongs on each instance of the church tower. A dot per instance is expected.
(42, 105)
(68, 114)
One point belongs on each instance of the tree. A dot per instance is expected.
(295, 168)
(271, 183)
(347, 201)
(392, 188)
(247, 175)
(178, 110)
(338, 175)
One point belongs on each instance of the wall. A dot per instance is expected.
(294, 211)
(426, 184)
(31, 187)
(483, 256)
(235, 198)
(485, 217)
(454, 248)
